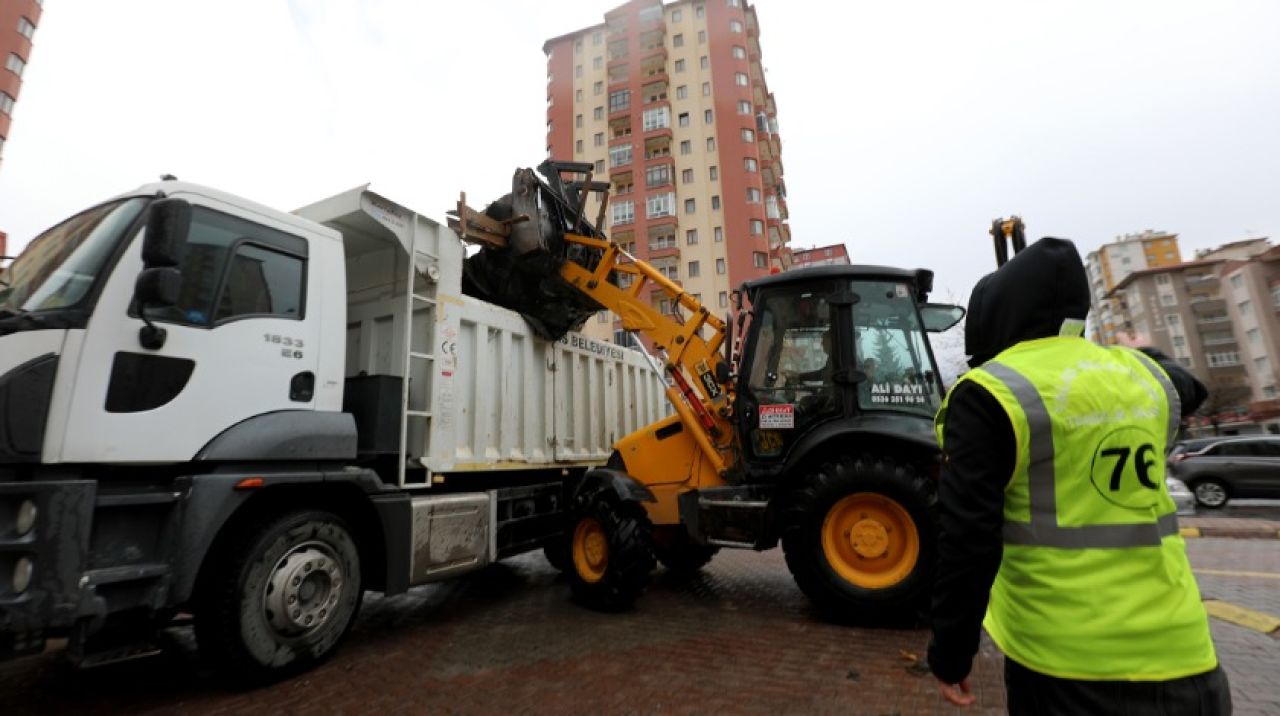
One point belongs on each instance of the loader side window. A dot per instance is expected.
(892, 352)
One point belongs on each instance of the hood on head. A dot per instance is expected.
(1029, 297)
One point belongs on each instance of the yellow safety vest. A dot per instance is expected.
(1094, 583)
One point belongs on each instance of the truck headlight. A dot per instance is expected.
(22, 570)
(26, 518)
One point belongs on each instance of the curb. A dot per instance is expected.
(1231, 532)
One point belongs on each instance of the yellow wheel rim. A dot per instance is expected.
(870, 540)
(590, 550)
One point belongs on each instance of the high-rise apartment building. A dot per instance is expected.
(1112, 263)
(834, 255)
(670, 103)
(18, 22)
(1217, 316)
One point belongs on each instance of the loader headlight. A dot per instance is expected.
(22, 570)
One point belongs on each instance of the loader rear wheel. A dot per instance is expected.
(610, 551)
(280, 597)
(859, 536)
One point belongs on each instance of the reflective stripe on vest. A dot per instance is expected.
(1043, 529)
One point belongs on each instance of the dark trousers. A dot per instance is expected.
(1031, 693)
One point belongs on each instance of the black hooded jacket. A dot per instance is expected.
(1029, 297)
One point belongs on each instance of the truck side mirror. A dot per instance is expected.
(158, 287)
(168, 222)
(938, 317)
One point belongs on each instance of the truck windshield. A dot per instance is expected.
(892, 350)
(58, 267)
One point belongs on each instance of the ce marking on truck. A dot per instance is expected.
(289, 347)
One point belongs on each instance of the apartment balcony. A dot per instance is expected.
(1213, 319)
(657, 145)
(1224, 341)
(617, 53)
(653, 54)
(618, 77)
(1207, 304)
(655, 89)
(665, 251)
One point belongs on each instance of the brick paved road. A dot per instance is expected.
(739, 639)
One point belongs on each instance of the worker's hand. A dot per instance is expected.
(958, 694)
(1132, 340)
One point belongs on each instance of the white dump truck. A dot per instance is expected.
(212, 408)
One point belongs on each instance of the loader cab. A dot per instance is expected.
(835, 343)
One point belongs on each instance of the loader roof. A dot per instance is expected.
(922, 278)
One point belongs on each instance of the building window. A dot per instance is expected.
(690, 206)
(707, 116)
(598, 113)
(702, 37)
(744, 107)
(699, 11)
(1185, 361)
(659, 118)
(602, 317)
(677, 40)
(739, 52)
(599, 166)
(577, 146)
(683, 119)
(715, 203)
(676, 15)
(624, 212)
(713, 173)
(619, 101)
(1262, 365)
(720, 266)
(759, 259)
(735, 3)
(757, 227)
(679, 65)
(577, 70)
(577, 95)
(748, 136)
(719, 234)
(577, 121)
(6, 103)
(25, 28)
(661, 205)
(577, 46)
(750, 165)
(1162, 279)
(1255, 336)
(682, 92)
(724, 299)
(620, 156)
(597, 62)
(711, 144)
(686, 147)
(1179, 341)
(704, 62)
(598, 139)
(596, 38)
(706, 89)
(686, 176)
(657, 176)
(1168, 299)
(1275, 295)
(753, 195)
(735, 26)
(597, 88)
(691, 237)
(741, 79)
(1244, 309)
(695, 269)
(1171, 319)
(15, 64)
(1237, 282)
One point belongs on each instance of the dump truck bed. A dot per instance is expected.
(483, 391)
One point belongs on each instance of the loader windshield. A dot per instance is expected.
(892, 350)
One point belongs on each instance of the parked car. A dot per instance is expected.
(1225, 468)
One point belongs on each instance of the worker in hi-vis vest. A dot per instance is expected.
(1057, 530)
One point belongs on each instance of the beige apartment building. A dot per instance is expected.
(1113, 263)
(1217, 316)
(669, 101)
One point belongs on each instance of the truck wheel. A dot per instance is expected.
(610, 551)
(558, 553)
(681, 556)
(859, 538)
(281, 598)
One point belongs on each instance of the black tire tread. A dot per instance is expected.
(630, 552)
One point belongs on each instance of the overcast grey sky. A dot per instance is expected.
(906, 126)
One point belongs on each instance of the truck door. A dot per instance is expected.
(241, 341)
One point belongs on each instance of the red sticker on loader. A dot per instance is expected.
(777, 417)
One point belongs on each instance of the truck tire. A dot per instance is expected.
(610, 551)
(859, 538)
(558, 553)
(681, 556)
(281, 597)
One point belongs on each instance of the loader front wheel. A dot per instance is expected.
(859, 537)
(610, 551)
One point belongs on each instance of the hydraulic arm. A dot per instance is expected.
(545, 226)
